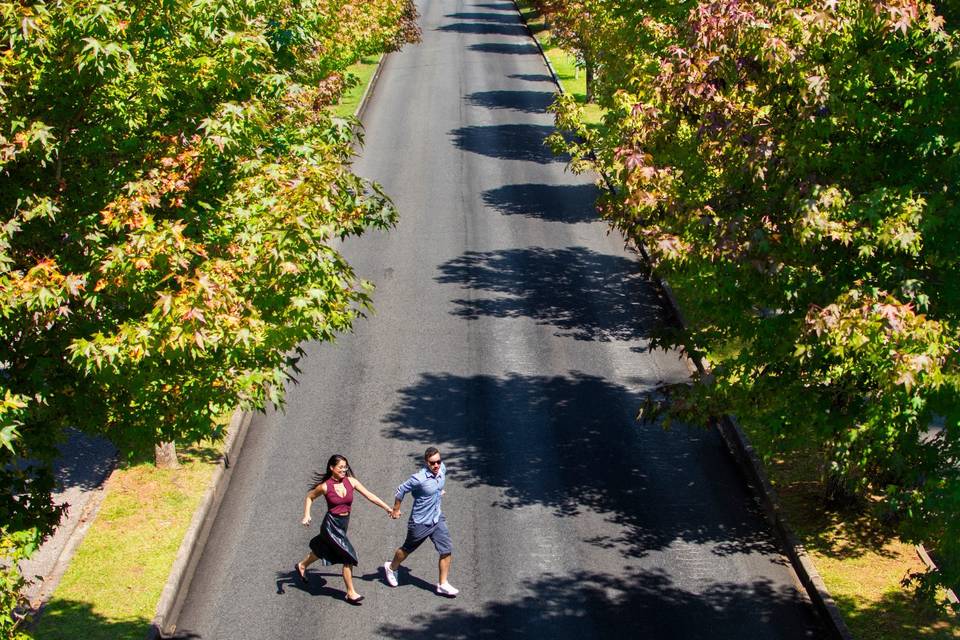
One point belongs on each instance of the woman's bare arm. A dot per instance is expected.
(369, 495)
(312, 495)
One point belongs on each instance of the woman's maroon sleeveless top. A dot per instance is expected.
(339, 506)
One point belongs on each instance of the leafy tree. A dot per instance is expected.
(576, 25)
(171, 182)
(611, 39)
(791, 169)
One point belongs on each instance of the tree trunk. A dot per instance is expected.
(165, 455)
(588, 63)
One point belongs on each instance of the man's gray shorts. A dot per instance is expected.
(438, 533)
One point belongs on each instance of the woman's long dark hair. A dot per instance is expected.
(334, 460)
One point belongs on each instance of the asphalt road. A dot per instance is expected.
(511, 330)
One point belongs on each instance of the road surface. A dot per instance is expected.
(511, 330)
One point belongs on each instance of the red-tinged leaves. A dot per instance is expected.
(791, 167)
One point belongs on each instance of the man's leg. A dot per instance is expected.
(398, 557)
(445, 559)
(415, 536)
(441, 540)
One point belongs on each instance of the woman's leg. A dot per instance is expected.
(309, 560)
(348, 581)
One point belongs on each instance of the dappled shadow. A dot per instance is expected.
(551, 202)
(588, 605)
(203, 452)
(485, 28)
(896, 614)
(836, 531)
(585, 294)
(70, 620)
(508, 142)
(504, 48)
(570, 443)
(531, 77)
(847, 534)
(85, 461)
(526, 101)
(502, 18)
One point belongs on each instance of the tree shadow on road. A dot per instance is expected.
(84, 462)
(525, 101)
(570, 443)
(589, 605)
(504, 48)
(508, 142)
(497, 6)
(551, 202)
(585, 294)
(531, 77)
(502, 18)
(485, 28)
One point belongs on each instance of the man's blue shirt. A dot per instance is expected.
(426, 489)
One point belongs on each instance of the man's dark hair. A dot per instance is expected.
(430, 452)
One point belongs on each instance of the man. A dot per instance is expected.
(426, 520)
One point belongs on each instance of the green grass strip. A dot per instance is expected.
(350, 100)
(113, 584)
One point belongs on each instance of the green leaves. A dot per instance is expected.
(170, 181)
(791, 170)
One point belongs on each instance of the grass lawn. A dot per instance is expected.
(861, 559)
(113, 584)
(350, 100)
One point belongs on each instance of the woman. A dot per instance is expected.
(331, 545)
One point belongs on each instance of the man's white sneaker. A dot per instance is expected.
(447, 589)
(389, 575)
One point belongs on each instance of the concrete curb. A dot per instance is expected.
(191, 549)
(194, 541)
(365, 98)
(553, 73)
(744, 454)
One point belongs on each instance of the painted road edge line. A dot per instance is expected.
(743, 453)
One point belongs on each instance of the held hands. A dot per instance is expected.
(393, 513)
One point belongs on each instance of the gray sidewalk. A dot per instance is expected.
(83, 467)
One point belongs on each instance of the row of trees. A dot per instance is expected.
(792, 169)
(170, 184)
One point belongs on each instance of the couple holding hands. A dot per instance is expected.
(331, 545)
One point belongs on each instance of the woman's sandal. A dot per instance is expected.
(300, 573)
(354, 601)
